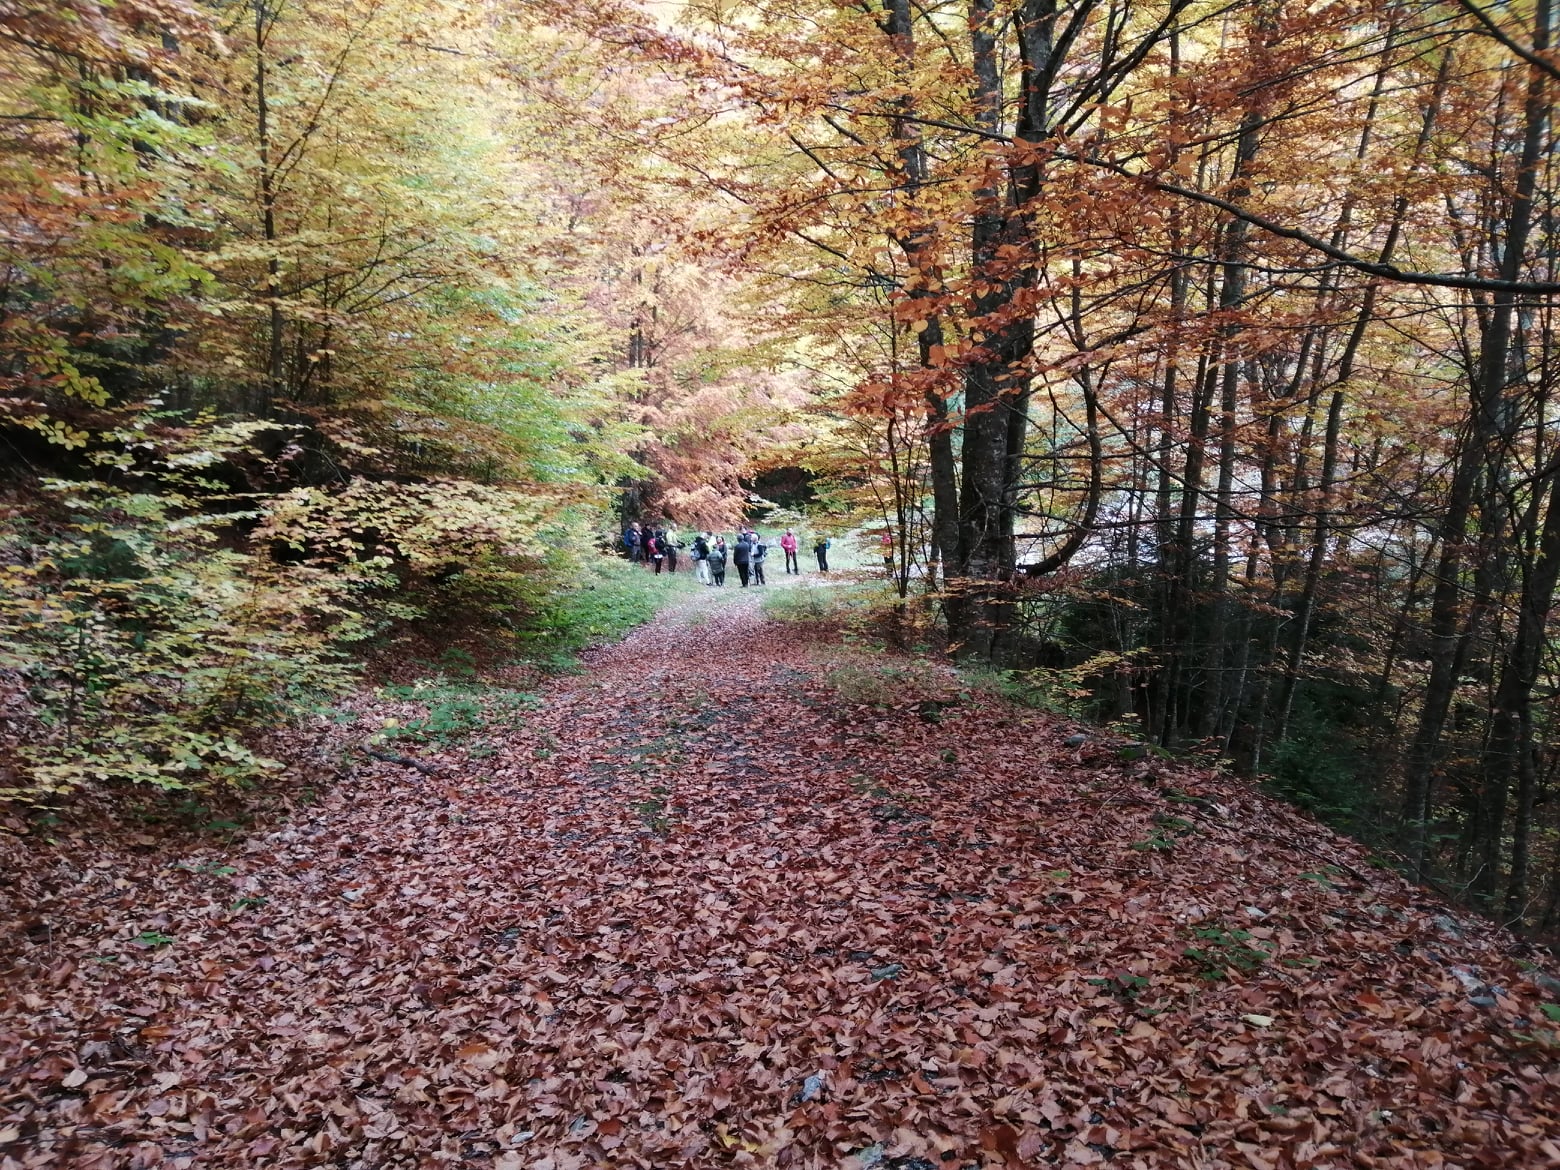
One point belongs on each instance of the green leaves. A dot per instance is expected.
(150, 656)
(157, 635)
(1222, 950)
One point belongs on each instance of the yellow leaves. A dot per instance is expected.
(421, 526)
(151, 652)
(59, 433)
(732, 1139)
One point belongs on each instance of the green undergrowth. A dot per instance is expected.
(605, 601)
(460, 712)
(1041, 689)
(1319, 765)
(463, 705)
(839, 601)
(140, 649)
(156, 629)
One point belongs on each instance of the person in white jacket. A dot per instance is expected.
(701, 558)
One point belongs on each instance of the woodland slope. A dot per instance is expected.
(696, 909)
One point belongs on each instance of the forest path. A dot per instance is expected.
(698, 910)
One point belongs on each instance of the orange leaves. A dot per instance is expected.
(848, 951)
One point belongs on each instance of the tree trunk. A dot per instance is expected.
(996, 381)
(272, 389)
(1486, 395)
(925, 284)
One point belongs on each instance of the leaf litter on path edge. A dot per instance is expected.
(697, 910)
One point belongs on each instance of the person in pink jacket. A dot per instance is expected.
(788, 543)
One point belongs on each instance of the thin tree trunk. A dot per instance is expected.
(919, 247)
(276, 324)
(1486, 397)
(1507, 751)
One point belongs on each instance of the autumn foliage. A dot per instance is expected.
(1209, 346)
(303, 344)
(1179, 367)
(684, 917)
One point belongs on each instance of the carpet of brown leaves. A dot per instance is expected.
(699, 911)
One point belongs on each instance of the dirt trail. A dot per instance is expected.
(699, 911)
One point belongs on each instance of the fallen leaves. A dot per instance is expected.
(824, 951)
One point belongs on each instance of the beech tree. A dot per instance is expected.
(95, 196)
(1221, 374)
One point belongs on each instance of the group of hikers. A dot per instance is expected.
(654, 548)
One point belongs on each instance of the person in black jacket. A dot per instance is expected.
(740, 554)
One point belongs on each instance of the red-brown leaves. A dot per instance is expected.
(700, 911)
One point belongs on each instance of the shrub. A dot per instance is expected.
(1323, 766)
(154, 618)
(143, 651)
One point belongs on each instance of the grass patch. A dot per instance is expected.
(888, 683)
(609, 598)
(456, 711)
(838, 601)
(653, 812)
